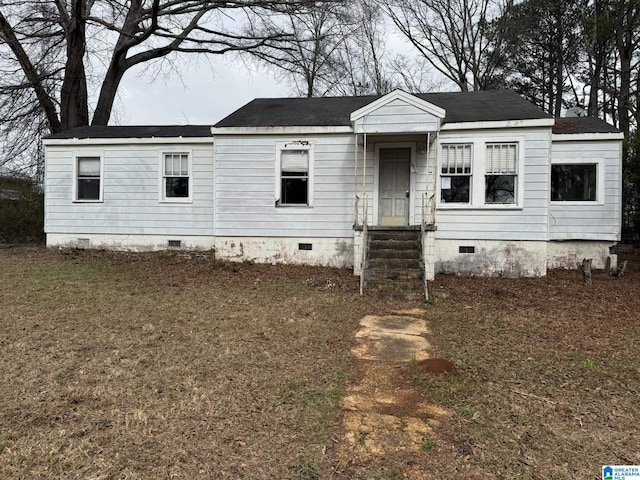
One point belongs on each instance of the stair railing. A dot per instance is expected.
(364, 248)
(428, 219)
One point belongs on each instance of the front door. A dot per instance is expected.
(393, 204)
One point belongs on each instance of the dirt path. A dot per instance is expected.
(387, 428)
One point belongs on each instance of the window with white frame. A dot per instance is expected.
(176, 176)
(455, 173)
(574, 182)
(294, 178)
(88, 182)
(501, 172)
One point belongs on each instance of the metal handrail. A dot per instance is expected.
(363, 253)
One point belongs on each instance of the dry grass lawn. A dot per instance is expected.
(124, 366)
(139, 366)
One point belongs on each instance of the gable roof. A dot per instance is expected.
(404, 98)
(477, 106)
(150, 131)
(574, 125)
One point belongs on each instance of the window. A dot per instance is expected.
(295, 182)
(88, 179)
(455, 180)
(501, 164)
(573, 182)
(175, 177)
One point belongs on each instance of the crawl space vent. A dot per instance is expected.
(175, 243)
(466, 249)
(305, 246)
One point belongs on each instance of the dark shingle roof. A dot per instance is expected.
(572, 125)
(335, 111)
(481, 106)
(162, 131)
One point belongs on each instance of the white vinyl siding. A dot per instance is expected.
(397, 117)
(524, 220)
(131, 177)
(247, 174)
(589, 220)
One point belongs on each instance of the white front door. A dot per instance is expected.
(393, 204)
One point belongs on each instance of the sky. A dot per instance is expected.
(204, 93)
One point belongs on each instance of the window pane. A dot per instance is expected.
(89, 166)
(500, 189)
(184, 165)
(294, 191)
(88, 189)
(459, 191)
(168, 170)
(176, 165)
(176, 187)
(573, 182)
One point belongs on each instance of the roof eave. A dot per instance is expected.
(281, 130)
(484, 125)
(123, 140)
(576, 137)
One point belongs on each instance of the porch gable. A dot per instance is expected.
(398, 112)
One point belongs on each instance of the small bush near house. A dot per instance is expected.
(21, 213)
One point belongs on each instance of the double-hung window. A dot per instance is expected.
(176, 182)
(294, 185)
(88, 181)
(501, 165)
(574, 182)
(455, 173)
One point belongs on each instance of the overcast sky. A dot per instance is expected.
(205, 94)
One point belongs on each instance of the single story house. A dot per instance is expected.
(490, 184)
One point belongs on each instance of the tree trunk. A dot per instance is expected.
(74, 110)
(108, 91)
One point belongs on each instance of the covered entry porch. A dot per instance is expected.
(396, 140)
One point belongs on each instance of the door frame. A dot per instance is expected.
(412, 178)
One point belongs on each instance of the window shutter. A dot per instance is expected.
(501, 158)
(88, 166)
(294, 160)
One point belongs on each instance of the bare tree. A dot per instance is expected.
(309, 59)
(363, 64)
(453, 36)
(62, 61)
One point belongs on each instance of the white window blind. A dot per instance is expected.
(294, 160)
(456, 159)
(176, 164)
(502, 158)
(88, 167)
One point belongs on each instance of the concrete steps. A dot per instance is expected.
(394, 267)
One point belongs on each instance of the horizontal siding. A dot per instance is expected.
(492, 223)
(590, 220)
(245, 188)
(131, 192)
(398, 116)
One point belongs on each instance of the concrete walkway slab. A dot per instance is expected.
(392, 338)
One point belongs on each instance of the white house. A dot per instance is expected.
(491, 184)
